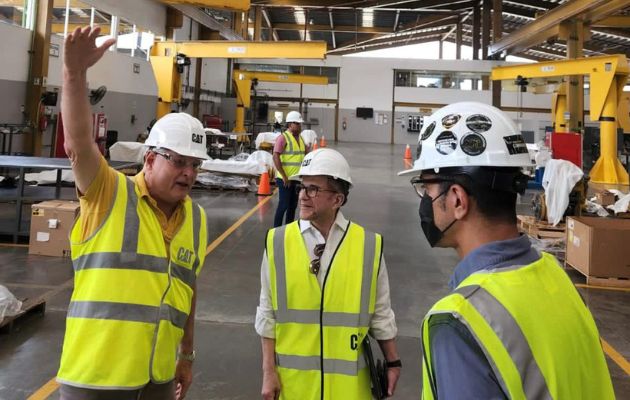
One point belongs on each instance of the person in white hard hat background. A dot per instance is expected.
(514, 326)
(288, 153)
(324, 285)
(137, 249)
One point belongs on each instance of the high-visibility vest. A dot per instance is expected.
(319, 331)
(132, 296)
(291, 158)
(538, 336)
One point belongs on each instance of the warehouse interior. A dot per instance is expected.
(365, 76)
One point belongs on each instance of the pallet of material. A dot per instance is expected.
(540, 229)
(602, 281)
(29, 307)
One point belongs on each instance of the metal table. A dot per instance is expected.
(229, 137)
(22, 164)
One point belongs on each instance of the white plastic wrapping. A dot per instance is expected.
(623, 204)
(559, 179)
(266, 137)
(49, 177)
(309, 136)
(128, 152)
(9, 305)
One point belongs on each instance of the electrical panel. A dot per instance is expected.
(414, 123)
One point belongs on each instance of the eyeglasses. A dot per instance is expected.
(316, 263)
(180, 162)
(312, 190)
(419, 184)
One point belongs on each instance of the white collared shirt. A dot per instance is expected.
(383, 323)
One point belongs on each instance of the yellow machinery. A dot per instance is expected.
(169, 58)
(243, 83)
(607, 75)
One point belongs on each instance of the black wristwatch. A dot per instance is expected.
(394, 364)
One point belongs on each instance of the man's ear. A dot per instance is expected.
(149, 159)
(461, 201)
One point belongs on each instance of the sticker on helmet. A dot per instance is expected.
(473, 144)
(446, 143)
(478, 123)
(515, 144)
(450, 120)
(427, 132)
(418, 150)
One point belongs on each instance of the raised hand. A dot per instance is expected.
(80, 50)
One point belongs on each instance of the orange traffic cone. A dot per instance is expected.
(408, 153)
(264, 189)
(322, 142)
(315, 146)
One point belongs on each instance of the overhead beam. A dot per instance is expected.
(418, 40)
(547, 25)
(274, 34)
(617, 21)
(395, 41)
(338, 28)
(332, 29)
(241, 49)
(231, 5)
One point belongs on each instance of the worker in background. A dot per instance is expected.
(137, 249)
(324, 286)
(288, 153)
(514, 326)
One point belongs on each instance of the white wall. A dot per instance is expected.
(14, 47)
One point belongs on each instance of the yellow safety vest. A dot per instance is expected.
(132, 295)
(291, 158)
(538, 336)
(319, 331)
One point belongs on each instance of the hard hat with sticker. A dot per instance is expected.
(450, 120)
(473, 144)
(428, 131)
(480, 135)
(478, 123)
(446, 143)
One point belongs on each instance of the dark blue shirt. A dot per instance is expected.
(459, 364)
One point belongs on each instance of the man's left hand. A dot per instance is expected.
(183, 378)
(392, 378)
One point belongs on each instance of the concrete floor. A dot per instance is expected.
(228, 349)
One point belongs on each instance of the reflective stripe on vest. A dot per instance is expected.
(331, 331)
(293, 154)
(488, 302)
(132, 295)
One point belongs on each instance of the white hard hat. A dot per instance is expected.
(469, 134)
(181, 133)
(294, 116)
(324, 161)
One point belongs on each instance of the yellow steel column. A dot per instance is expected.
(38, 74)
(608, 168)
(558, 110)
(239, 127)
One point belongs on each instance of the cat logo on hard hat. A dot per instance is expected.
(306, 162)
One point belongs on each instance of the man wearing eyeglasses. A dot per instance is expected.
(514, 325)
(137, 249)
(324, 286)
(288, 153)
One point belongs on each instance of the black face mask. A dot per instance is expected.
(431, 231)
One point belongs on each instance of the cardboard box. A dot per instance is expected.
(51, 223)
(599, 247)
(605, 198)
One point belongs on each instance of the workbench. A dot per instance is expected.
(32, 194)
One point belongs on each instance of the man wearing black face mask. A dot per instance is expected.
(509, 327)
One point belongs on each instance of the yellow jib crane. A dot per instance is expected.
(608, 75)
(243, 83)
(168, 59)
